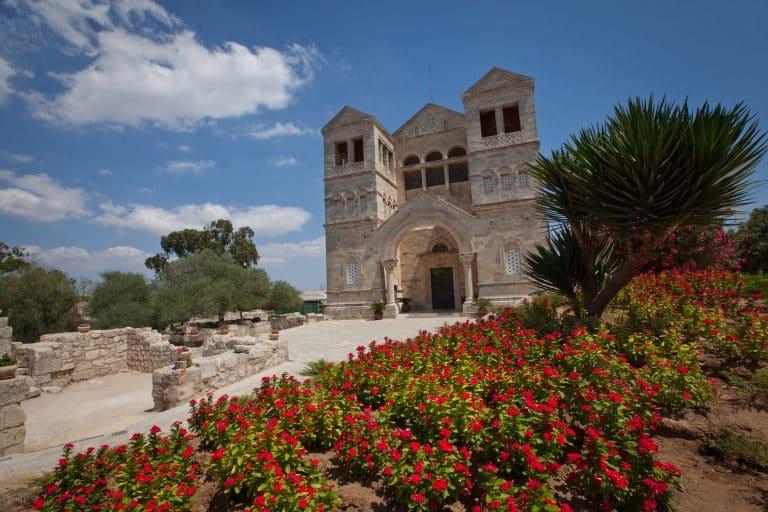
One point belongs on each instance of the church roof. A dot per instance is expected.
(431, 118)
(346, 116)
(497, 78)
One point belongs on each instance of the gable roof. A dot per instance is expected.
(497, 78)
(345, 116)
(425, 119)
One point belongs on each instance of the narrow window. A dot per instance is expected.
(523, 179)
(434, 157)
(457, 152)
(363, 203)
(511, 119)
(458, 173)
(411, 160)
(488, 184)
(337, 207)
(435, 176)
(351, 273)
(359, 156)
(488, 123)
(438, 248)
(506, 181)
(351, 205)
(512, 261)
(341, 153)
(412, 180)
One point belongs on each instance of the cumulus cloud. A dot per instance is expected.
(17, 157)
(184, 148)
(160, 74)
(81, 262)
(283, 161)
(39, 197)
(189, 166)
(277, 253)
(278, 130)
(265, 220)
(6, 73)
(104, 172)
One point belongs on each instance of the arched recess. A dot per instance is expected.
(391, 234)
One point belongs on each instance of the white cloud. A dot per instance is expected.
(41, 198)
(6, 73)
(80, 262)
(283, 161)
(17, 157)
(104, 171)
(278, 130)
(184, 148)
(184, 166)
(265, 220)
(276, 253)
(160, 73)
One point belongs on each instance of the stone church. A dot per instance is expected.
(438, 212)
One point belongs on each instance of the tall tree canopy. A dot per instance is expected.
(12, 259)
(616, 191)
(218, 237)
(753, 235)
(121, 300)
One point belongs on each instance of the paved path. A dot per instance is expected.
(110, 409)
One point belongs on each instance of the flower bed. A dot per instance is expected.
(488, 414)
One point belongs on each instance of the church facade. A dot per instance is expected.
(437, 213)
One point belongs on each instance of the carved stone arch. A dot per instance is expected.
(456, 152)
(409, 157)
(392, 233)
(428, 152)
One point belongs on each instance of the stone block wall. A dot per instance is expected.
(287, 321)
(63, 358)
(172, 387)
(6, 333)
(12, 430)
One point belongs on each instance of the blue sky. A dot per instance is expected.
(122, 121)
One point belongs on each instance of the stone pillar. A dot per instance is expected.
(12, 417)
(499, 121)
(445, 174)
(424, 179)
(389, 274)
(350, 151)
(6, 334)
(466, 259)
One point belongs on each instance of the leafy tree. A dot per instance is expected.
(12, 259)
(283, 297)
(205, 284)
(219, 237)
(121, 300)
(754, 236)
(617, 190)
(39, 301)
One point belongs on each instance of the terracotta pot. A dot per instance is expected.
(8, 372)
(83, 328)
(224, 329)
(274, 336)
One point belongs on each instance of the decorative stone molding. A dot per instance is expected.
(389, 265)
(348, 168)
(501, 140)
(466, 258)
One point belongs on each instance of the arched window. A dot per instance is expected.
(363, 203)
(434, 156)
(457, 152)
(440, 247)
(351, 205)
(524, 179)
(411, 160)
(505, 180)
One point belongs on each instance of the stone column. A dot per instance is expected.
(389, 274)
(499, 121)
(445, 174)
(350, 151)
(424, 179)
(466, 258)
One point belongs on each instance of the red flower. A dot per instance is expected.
(440, 484)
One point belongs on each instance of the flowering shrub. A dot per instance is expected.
(490, 414)
(694, 248)
(153, 472)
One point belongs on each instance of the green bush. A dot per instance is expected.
(121, 300)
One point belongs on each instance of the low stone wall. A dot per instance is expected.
(6, 333)
(12, 417)
(60, 359)
(249, 356)
(291, 320)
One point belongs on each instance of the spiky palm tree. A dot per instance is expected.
(615, 191)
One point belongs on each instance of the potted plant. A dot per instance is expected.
(405, 305)
(378, 310)
(84, 327)
(7, 367)
(483, 306)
